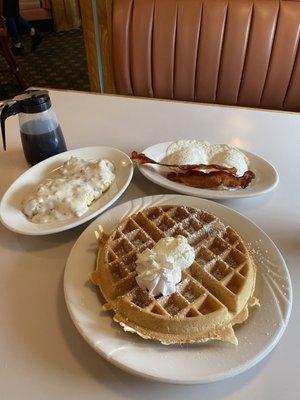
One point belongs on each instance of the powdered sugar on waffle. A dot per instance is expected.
(215, 289)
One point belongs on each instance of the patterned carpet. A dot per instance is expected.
(59, 62)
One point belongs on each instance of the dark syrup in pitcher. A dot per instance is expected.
(38, 147)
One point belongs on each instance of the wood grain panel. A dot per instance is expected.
(104, 11)
(66, 14)
(90, 43)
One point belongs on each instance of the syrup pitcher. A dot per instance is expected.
(40, 131)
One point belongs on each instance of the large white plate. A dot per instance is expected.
(184, 364)
(10, 208)
(266, 177)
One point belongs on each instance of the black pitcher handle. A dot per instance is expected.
(7, 111)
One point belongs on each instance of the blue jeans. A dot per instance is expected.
(16, 26)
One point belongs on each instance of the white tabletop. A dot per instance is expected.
(42, 356)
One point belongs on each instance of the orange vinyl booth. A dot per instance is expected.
(236, 52)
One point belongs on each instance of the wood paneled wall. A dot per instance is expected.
(97, 25)
(90, 43)
(66, 14)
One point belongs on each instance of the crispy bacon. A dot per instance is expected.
(211, 179)
(193, 175)
(141, 158)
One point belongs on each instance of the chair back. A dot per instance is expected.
(236, 52)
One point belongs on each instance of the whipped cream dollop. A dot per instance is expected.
(159, 269)
(185, 152)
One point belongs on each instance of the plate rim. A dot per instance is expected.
(212, 377)
(80, 220)
(217, 195)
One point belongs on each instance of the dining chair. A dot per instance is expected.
(7, 54)
(235, 52)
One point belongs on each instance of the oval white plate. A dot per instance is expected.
(10, 208)
(185, 364)
(266, 177)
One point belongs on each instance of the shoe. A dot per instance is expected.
(36, 40)
(17, 51)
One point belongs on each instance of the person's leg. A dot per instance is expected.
(26, 27)
(13, 30)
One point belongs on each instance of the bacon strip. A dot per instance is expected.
(211, 179)
(193, 176)
(141, 158)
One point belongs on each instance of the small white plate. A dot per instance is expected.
(10, 208)
(185, 364)
(266, 177)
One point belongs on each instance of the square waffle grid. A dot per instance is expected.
(218, 252)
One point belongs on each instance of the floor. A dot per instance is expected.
(59, 62)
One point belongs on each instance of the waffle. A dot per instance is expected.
(213, 295)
